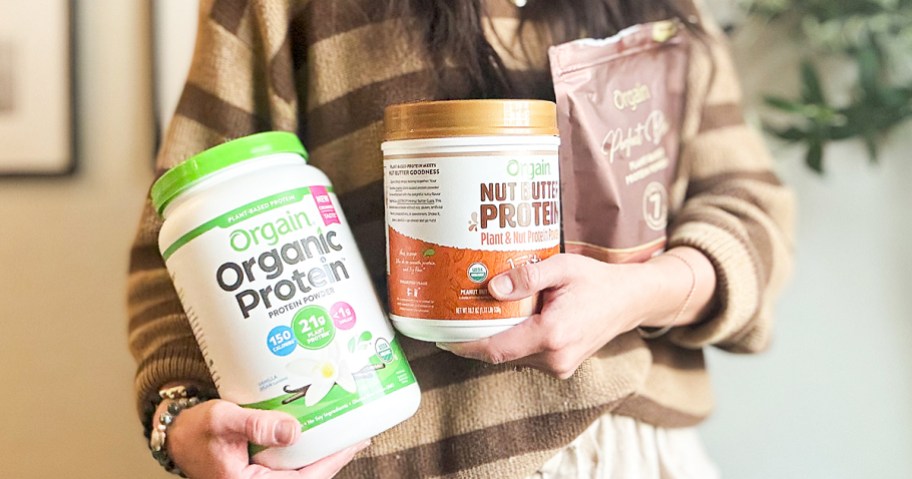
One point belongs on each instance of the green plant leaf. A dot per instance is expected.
(784, 104)
(870, 142)
(811, 90)
(873, 33)
(870, 73)
(814, 158)
(789, 134)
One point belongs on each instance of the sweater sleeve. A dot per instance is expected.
(736, 211)
(241, 81)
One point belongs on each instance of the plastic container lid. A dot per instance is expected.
(442, 119)
(178, 179)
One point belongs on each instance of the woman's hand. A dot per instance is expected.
(210, 441)
(586, 303)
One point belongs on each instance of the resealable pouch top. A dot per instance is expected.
(619, 104)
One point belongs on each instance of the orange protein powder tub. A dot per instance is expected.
(472, 189)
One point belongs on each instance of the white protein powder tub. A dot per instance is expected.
(278, 296)
(472, 189)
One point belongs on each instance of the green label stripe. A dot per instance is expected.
(392, 377)
(239, 215)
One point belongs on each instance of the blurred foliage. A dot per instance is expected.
(877, 36)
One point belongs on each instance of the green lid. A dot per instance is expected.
(178, 179)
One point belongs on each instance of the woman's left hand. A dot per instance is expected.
(585, 304)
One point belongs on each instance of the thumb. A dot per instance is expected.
(529, 279)
(264, 428)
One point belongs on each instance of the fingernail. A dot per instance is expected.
(501, 285)
(443, 346)
(285, 432)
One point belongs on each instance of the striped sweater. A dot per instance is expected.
(318, 67)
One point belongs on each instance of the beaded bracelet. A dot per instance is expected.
(181, 397)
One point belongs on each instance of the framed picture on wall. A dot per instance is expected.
(36, 88)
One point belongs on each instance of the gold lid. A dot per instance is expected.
(442, 119)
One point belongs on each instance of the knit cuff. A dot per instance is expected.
(177, 361)
(734, 322)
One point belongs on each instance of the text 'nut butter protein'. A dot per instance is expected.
(472, 189)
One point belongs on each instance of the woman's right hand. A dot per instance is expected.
(210, 441)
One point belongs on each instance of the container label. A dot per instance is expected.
(324, 205)
(455, 222)
(283, 309)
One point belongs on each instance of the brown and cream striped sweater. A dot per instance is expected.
(326, 69)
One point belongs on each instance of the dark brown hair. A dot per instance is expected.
(454, 32)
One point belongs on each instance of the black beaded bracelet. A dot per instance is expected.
(182, 397)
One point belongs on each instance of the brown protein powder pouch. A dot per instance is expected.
(619, 106)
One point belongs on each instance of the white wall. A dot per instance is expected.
(65, 371)
(833, 397)
(175, 24)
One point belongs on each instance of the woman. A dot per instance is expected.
(613, 403)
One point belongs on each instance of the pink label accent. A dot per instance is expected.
(325, 205)
(343, 315)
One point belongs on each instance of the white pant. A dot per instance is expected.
(618, 447)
